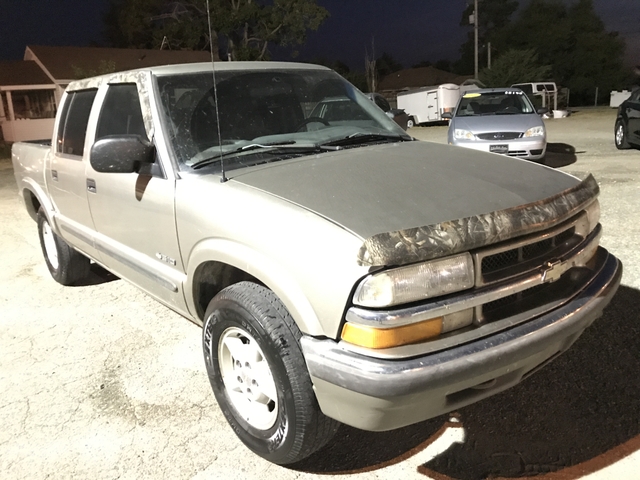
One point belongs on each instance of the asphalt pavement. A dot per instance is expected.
(100, 381)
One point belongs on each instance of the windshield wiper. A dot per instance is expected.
(275, 147)
(363, 138)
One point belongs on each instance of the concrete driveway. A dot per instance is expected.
(102, 382)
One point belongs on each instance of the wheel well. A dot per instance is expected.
(211, 277)
(32, 203)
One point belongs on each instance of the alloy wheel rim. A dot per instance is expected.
(619, 135)
(247, 378)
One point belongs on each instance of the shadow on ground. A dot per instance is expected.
(560, 155)
(97, 276)
(577, 409)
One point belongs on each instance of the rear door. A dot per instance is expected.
(134, 213)
(65, 175)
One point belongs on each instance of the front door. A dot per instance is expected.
(134, 213)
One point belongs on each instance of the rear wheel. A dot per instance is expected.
(410, 123)
(259, 376)
(66, 265)
(621, 136)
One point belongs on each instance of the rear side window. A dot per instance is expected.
(73, 122)
(121, 113)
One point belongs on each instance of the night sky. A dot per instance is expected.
(410, 30)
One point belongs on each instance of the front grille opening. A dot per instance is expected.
(549, 294)
(499, 136)
(492, 265)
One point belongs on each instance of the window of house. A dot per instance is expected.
(33, 104)
(73, 122)
(121, 113)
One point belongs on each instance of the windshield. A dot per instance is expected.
(296, 110)
(494, 103)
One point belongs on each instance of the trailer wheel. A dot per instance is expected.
(410, 123)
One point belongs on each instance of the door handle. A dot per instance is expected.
(54, 175)
(91, 185)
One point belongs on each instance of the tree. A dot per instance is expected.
(494, 16)
(574, 42)
(386, 64)
(245, 27)
(515, 66)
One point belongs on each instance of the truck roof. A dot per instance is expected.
(93, 82)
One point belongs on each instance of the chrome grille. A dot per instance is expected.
(499, 135)
(503, 261)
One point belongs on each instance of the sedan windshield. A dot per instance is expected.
(494, 103)
(265, 115)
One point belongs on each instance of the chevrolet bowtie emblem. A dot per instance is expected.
(552, 271)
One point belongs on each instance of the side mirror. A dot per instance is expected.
(543, 110)
(121, 154)
(447, 115)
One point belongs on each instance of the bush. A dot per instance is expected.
(5, 150)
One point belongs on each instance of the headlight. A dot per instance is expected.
(416, 282)
(534, 132)
(459, 133)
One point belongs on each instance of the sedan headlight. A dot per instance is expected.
(416, 282)
(462, 134)
(534, 132)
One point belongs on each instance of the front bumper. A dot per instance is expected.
(378, 394)
(528, 148)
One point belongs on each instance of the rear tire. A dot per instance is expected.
(66, 265)
(620, 136)
(259, 376)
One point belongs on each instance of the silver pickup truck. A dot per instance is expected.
(341, 270)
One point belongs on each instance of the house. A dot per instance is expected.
(31, 89)
(27, 101)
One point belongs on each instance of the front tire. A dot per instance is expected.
(66, 265)
(620, 135)
(410, 123)
(259, 376)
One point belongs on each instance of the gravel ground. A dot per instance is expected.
(100, 381)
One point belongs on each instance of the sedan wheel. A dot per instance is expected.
(621, 136)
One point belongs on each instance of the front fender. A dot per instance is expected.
(261, 267)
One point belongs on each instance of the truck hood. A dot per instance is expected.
(381, 191)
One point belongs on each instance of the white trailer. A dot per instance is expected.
(427, 104)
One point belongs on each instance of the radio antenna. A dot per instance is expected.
(215, 95)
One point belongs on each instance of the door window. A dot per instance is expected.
(72, 129)
(121, 113)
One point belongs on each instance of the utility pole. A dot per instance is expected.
(475, 34)
(489, 55)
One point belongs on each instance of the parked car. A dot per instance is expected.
(341, 270)
(398, 115)
(627, 129)
(498, 120)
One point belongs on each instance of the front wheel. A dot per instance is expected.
(621, 136)
(410, 123)
(66, 265)
(259, 376)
